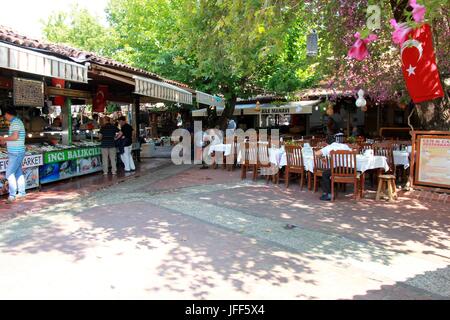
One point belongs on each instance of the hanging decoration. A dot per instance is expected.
(99, 101)
(418, 11)
(359, 49)
(59, 83)
(401, 31)
(258, 106)
(361, 102)
(330, 110)
(312, 44)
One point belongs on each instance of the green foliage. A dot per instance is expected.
(77, 27)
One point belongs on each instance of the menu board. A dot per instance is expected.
(28, 93)
(433, 161)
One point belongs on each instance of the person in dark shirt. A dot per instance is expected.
(108, 134)
(126, 134)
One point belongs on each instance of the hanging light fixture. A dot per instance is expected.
(361, 102)
(312, 44)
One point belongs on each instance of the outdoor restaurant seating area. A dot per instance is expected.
(371, 164)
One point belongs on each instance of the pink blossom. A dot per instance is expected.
(400, 33)
(359, 49)
(418, 12)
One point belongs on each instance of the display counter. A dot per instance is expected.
(31, 164)
(67, 162)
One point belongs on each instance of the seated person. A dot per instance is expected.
(326, 176)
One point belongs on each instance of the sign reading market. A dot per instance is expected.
(28, 162)
(67, 155)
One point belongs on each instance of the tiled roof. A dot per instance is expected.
(11, 37)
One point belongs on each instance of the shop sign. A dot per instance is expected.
(28, 93)
(28, 162)
(433, 161)
(66, 155)
(275, 111)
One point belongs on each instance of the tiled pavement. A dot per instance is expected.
(181, 232)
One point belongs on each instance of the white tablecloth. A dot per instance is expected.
(363, 163)
(401, 158)
(225, 148)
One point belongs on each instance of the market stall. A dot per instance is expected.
(31, 165)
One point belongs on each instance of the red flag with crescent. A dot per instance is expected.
(419, 66)
(59, 100)
(99, 102)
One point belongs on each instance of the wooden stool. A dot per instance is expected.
(390, 186)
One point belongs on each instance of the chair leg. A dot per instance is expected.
(243, 172)
(390, 191)
(332, 191)
(286, 178)
(356, 189)
(309, 181)
(394, 189)
(255, 172)
(363, 183)
(315, 183)
(380, 188)
(302, 178)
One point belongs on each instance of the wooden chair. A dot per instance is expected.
(263, 165)
(321, 144)
(248, 159)
(365, 146)
(294, 159)
(320, 165)
(343, 170)
(386, 151)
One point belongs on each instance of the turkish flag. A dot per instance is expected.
(419, 66)
(99, 103)
(58, 100)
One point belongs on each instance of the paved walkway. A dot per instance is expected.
(181, 233)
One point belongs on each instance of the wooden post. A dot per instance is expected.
(137, 110)
(66, 115)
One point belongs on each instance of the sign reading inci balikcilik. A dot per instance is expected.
(71, 154)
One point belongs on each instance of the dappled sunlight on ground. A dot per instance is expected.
(185, 233)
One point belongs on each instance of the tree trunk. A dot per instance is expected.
(228, 112)
(434, 115)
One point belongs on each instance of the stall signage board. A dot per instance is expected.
(66, 155)
(28, 93)
(28, 162)
(275, 111)
(433, 161)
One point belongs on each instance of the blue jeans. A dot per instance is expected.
(14, 174)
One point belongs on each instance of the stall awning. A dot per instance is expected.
(161, 90)
(297, 107)
(29, 61)
(209, 100)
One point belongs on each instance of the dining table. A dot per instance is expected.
(364, 163)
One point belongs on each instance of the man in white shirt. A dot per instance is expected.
(326, 176)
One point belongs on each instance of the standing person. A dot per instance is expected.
(326, 176)
(200, 142)
(108, 135)
(15, 142)
(126, 134)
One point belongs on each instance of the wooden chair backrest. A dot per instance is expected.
(320, 163)
(294, 157)
(365, 146)
(249, 153)
(263, 153)
(321, 144)
(386, 151)
(343, 163)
